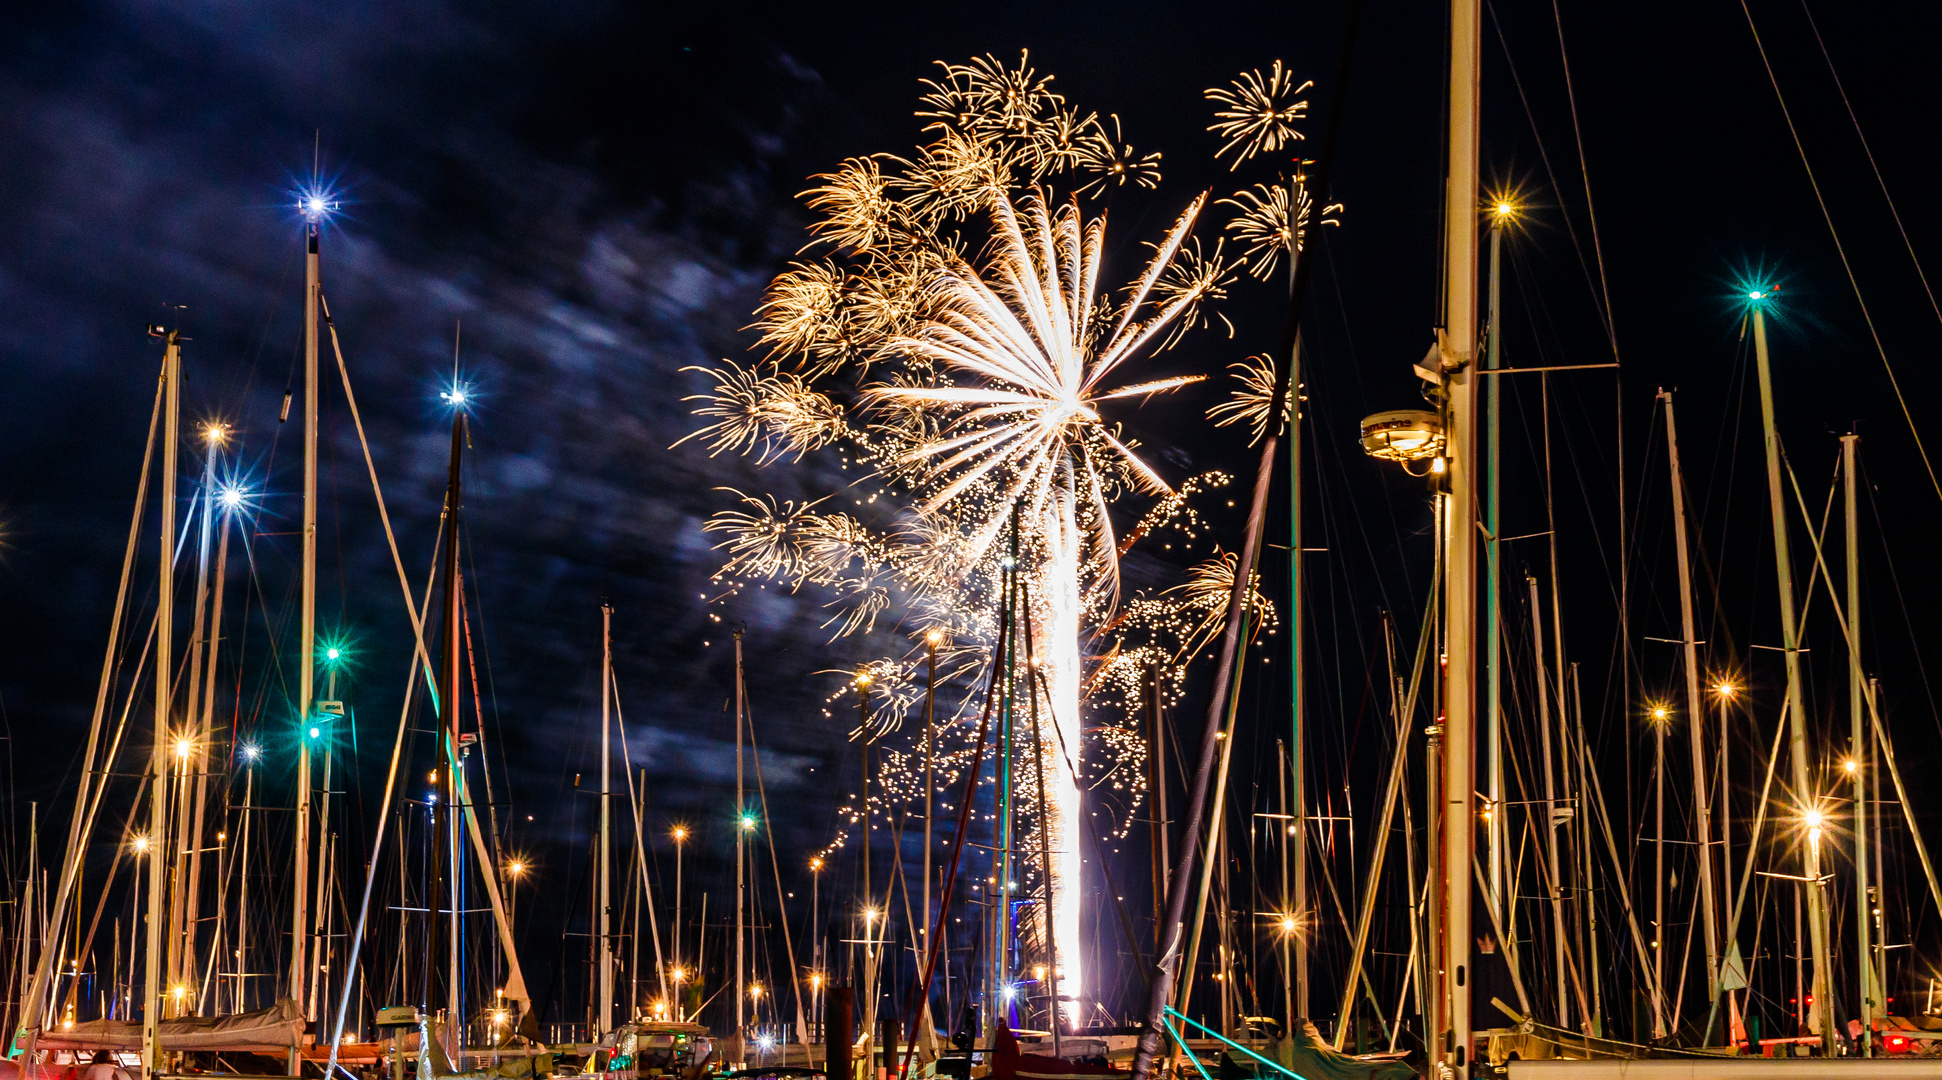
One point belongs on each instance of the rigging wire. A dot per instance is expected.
(1869, 151)
(1901, 599)
(1841, 249)
(1584, 170)
(1570, 229)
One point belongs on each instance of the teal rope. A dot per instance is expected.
(1182, 1040)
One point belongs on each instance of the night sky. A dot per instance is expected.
(597, 195)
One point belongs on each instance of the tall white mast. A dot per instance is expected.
(606, 950)
(307, 621)
(741, 861)
(204, 741)
(154, 993)
(1857, 764)
(1553, 879)
(189, 750)
(1695, 710)
(1460, 346)
(923, 929)
(1821, 1015)
(1493, 575)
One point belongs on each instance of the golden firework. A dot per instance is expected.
(1258, 113)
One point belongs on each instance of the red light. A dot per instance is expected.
(1896, 1042)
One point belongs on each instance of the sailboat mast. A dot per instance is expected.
(1460, 609)
(447, 742)
(866, 1003)
(1858, 753)
(242, 952)
(307, 624)
(1493, 569)
(1695, 709)
(1659, 934)
(1158, 841)
(158, 761)
(1289, 933)
(1822, 1015)
(1552, 884)
(205, 728)
(24, 918)
(741, 857)
(606, 949)
(931, 638)
(189, 750)
(1298, 838)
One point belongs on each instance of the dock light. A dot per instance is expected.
(251, 751)
(755, 990)
(934, 637)
(1757, 294)
(498, 1017)
(1725, 689)
(748, 822)
(516, 868)
(766, 1042)
(215, 434)
(678, 974)
(140, 844)
(1852, 766)
(183, 749)
(1038, 972)
(1504, 210)
(1010, 992)
(1403, 435)
(679, 833)
(816, 980)
(1812, 819)
(333, 653)
(315, 732)
(1289, 924)
(816, 866)
(864, 679)
(231, 497)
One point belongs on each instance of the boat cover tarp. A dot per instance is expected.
(1304, 1053)
(434, 1063)
(1009, 1063)
(277, 1028)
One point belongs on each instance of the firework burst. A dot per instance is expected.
(1252, 398)
(950, 337)
(1258, 113)
(1266, 228)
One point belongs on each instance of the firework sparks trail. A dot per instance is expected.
(1030, 340)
